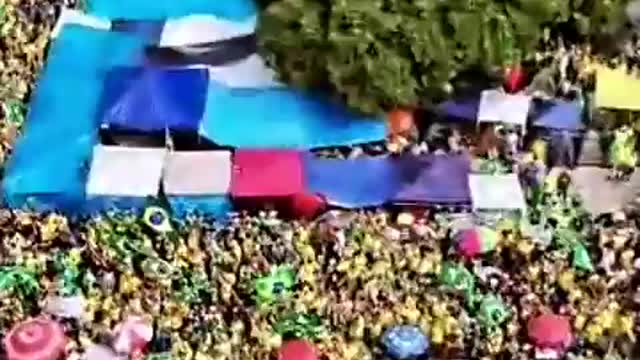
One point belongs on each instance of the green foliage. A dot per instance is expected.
(379, 54)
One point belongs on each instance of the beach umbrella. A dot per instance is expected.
(297, 350)
(35, 339)
(403, 342)
(550, 331)
(476, 241)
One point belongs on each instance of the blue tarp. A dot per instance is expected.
(462, 109)
(65, 109)
(283, 118)
(213, 206)
(559, 115)
(352, 183)
(434, 179)
(150, 30)
(154, 99)
(161, 9)
(49, 164)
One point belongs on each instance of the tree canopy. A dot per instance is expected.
(379, 54)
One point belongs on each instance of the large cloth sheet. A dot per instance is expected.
(434, 179)
(496, 192)
(460, 109)
(160, 9)
(282, 118)
(145, 99)
(617, 88)
(352, 183)
(243, 93)
(559, 115)
(50, 160)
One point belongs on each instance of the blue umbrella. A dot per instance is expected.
(405, 342)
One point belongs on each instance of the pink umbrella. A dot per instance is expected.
(476, 241)
(550, 331)
(132, 336)
(297, 350)
(35, 339)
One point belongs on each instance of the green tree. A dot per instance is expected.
(379, 54)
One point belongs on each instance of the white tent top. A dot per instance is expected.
(496, 192)
(197, 173)
(497, 106)
(125, 171)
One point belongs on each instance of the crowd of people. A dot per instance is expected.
(240, 288)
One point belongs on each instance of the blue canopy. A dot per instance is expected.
(48, 168)
(160, 9)
(434, 179)
(462, 109)
(559, 115)
(283, 118)
(144, 99)
(353, 183)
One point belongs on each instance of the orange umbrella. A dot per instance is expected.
(400, 122)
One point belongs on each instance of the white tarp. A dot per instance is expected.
(251, 72)
(496, 192)
(196, 29)
(600, 195)
(198, 173)
(71, 16)
(499, 107)
(125, 171)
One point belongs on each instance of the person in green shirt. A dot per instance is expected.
(622, 153)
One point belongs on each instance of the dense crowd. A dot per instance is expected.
(238, 289)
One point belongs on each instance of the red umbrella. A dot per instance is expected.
(307, 206)
(297, 350)
(550, 331)
(515, 79)
(35, 339)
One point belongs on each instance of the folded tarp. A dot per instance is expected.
(160, 9)
(49, 165)
(434, 179)
(559, 115)
(353, 183)
(144, 99)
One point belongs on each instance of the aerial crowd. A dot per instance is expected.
(406, 283)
